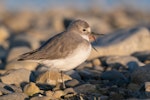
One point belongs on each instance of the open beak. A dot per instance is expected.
(92, 38)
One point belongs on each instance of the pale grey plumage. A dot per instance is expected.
(61, 45)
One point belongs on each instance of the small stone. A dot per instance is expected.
(147, 86)
(5, 91)
(52, 78)
(41, 98)
(1, 93)
(84, 65)
(147, 61)
(85, 74)
(16, 76)
(74, 74)
(31, 89)
(100, 68)
(147, 89)
(104, 98)
(58, 94)
(116, 96)
(49, 93)
(41, 69)
(96, 62)
(129, 62)
(69, 91)
(89, 73)
(109, 68)
(85, 88)
(72, 83)
(141, 75)
(14, 96)
(142, 56)
(4, 34)
(133, 87)
(13, 88)
(2, 72)
(115, 76)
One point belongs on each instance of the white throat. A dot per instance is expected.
(85, 37)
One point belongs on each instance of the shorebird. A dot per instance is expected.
(66, 50)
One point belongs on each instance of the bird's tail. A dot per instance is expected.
(25, 56)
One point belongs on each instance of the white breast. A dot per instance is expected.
(70, 62)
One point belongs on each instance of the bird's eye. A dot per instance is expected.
(84, 29)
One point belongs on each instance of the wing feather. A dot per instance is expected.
(55, 48)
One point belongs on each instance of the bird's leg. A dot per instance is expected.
(63, 80)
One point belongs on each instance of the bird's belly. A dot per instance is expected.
(71, 61)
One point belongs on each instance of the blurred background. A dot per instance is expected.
(26, 23)
(103, 15)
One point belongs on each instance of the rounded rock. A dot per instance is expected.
(141, 75)
(96, 62)
(52, 78)
(31, 89)
(58, 94)
(16, 76)
(72, 83)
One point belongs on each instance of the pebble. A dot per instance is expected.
(142, 56)
(49, 93)
(147, 86)
(116, 96)
(74, 74)
(4, 91)
(52, 78)
(41, 98)
(87, 74)
(114, 76)
(96, 62)
(13, 88)
(84, 65)
(58, 94)
(129, 62)
(72, 83)
(104, 98)
(16, 76)
(4, 34)
(14, 96)
(31, 89)
(1, 93)
(69, 91)
(141, 75)
(100, 68)
(134, 87)
(147, 61)
(86, 88)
